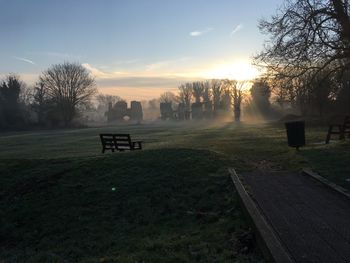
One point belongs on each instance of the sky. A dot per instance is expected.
(136, 49)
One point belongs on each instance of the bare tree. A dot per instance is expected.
(198, 89)
(206, 91)
(68, 85)
(167, 97)
(185, 94)
(308, 93)
(105, 103)
(279, 92)
(40, 102)
(104, 100)
(237, 97)
(217, 88)
(261, 93)
(307, 36)
(26, 95)
(235, 89)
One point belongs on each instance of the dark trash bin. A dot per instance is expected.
(295, 133)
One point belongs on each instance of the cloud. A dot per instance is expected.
(24, 60)
(199, 33)
(131, 85)
(55, 55)
(196, 33)
(139, 79)
(95, 71)
(236, 29)
(102, 74)
(140, 82)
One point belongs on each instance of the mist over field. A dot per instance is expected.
(174, 131)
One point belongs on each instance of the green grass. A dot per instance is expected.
(331, 161)
(173, 201)
(152, 206)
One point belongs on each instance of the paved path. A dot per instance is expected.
(311, 220)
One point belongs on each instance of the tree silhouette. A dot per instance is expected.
(106, 99)
(68, 85)
(234, 90)
(198, 90)
(237, 96)
(185, 95)
(217, 88)
(167, 97)
(207, 92)
(41, 103)
(10, 88)
(308, 36)
(261, 93)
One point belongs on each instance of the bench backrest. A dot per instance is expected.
(107, 139)
(122, 141)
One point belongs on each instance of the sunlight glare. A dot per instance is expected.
(238, 71)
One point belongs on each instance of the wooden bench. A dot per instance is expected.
(340, 125)
(119, 142)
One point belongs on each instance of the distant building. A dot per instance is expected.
(120, 112)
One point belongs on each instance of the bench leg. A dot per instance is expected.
(103, 150)
(329, 134)
(341, 133)
(138, 144)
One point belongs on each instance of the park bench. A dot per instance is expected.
(119, 142)
(339, 125)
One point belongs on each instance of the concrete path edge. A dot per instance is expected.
(267, 240)
(340, 190)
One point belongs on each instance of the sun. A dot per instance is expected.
(239, 71)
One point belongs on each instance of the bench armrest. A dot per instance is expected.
(137, 144)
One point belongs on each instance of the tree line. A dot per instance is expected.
(224, 97)
(61, 93)
(65, 94)
(307, 56)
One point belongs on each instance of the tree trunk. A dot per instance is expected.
(237, 113)
(343, 19)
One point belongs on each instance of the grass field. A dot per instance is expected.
(61, 200)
